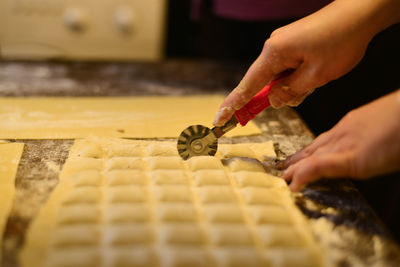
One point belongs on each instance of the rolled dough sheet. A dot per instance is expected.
(10, 155)
(136, 203)
(134, 117)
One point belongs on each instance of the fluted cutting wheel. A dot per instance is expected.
(190, 143)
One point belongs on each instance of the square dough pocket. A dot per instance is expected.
(185, 257)
(270, 215)
(223, 213)
(87, 194)
(182, 234)
(164, 150)
(204, 163)
(78, 214)
(126, 213)
(87, 178)
(299, 257)
(231, 235)
(125, 163)
(128, 234)
(241, 164)
(74, 256)
(126, 177)
(173, 193)
(125, 150)
(211, 177)
(91, 150)
(130, 256)
(258, 179)
(237, 257)
(76, 235)
(280, 236)
(126, 194)
(177, 213)
(81, 164)
(166, 163)
(169, 177)
(216, 194)
(263, 196)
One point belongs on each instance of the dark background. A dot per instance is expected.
(239, 43)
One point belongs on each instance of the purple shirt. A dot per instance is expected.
(253, 10)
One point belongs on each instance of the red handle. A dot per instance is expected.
(257, 104)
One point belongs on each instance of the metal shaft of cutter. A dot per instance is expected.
(217, 132)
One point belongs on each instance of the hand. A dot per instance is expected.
(317, 49)
(365, 143)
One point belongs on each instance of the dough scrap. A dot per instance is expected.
(239, 164)
(132, 117)
(136, 203)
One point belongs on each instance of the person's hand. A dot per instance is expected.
(316, 49)
(365, 143)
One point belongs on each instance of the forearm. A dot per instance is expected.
(367, 17)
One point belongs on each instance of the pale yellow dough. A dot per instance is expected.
(135, 117)
(10, 155)
(109, 210)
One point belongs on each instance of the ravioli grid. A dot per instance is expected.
(137, 203)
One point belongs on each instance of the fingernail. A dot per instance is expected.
(220, 116)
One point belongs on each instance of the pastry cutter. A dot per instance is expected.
(199, 140)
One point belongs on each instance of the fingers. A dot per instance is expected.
(294, 88)
(265, 68)
(317, 166)
(318, 143)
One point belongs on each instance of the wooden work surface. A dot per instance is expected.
(358, 235)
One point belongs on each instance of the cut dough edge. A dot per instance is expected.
(10, 155)
(129, 117)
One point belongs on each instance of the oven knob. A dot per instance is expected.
(74, 19)
(123, 19)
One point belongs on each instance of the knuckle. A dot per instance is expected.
(272, 47)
